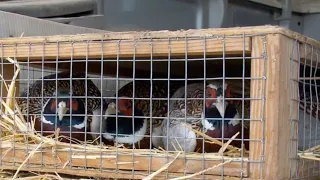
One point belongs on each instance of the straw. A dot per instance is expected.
(15, 130)
(198, 173)
(311, 154)
(161, 169)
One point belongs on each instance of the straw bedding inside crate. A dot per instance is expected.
(18, 134)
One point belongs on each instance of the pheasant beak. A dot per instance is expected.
(62, 110)
(111, 110)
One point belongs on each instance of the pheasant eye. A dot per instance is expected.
(74, 105)
(127, 104)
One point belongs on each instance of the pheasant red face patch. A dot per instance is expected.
(74, 105)
(125, 107)
(53, 105)
(211, 94)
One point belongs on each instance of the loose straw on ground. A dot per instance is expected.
(198, 173)
(161, 169)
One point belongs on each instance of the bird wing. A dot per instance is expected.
(47, 88)
(191, 108)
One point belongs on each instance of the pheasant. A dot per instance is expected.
(182, 138)
(55, 105)
(136, 134)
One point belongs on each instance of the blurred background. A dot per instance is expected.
(122, 15)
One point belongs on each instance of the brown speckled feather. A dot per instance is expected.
(195, 108)
(49, 87)
(159, 107)
(236, 92)
(175, 132)
(31, 100)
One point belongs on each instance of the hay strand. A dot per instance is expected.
(224, 147)
(229, 147)
(161, 169)
(12, 87)
(198, 173)
(31, 154)
(311, 154)
(18, 133)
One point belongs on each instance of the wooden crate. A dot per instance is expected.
(274, 70)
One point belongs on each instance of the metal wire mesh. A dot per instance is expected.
(305, 130)
(154, 82)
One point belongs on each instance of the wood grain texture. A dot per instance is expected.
(124, 162)
(165, 34)
(125, 49)
(160, 40)
(257, 89)
(277, 109)
(116, 175)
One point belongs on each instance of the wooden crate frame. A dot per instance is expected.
(279, 44)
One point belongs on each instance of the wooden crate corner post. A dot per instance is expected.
(272, 150)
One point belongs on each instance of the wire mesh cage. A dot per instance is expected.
(199, 104)
(307, 135)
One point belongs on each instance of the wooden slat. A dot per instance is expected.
(257, 89)
(192, 33)
(277, 110)
(277, 114)
(124, 162)
(127, 49)
(114, 175)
